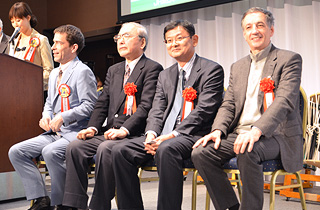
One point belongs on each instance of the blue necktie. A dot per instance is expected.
(173, 115)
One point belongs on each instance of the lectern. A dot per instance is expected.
(21, 104)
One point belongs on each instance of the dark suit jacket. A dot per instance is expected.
(282, 119)
(4, 44)
(111, 102)
(206, 78)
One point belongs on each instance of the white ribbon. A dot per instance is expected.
(269, 99)
(187, 109)
(129, 105)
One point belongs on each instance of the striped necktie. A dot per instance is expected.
(126, 75)
(59, 78)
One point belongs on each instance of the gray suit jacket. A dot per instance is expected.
(206, 78)
(282, 119)
(83, 96)
(4, 48)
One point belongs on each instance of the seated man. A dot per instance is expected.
(125, 101)
(71, 98)
(171, 130)
(251, 124)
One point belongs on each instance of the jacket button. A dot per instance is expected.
(116, 115)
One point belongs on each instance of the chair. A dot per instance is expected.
(311, 152)
(39, 161)
(275, 168)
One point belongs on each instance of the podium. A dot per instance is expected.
(21, 104)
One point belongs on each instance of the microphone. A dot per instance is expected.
(16, 31)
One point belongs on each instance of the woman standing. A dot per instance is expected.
(30, 45)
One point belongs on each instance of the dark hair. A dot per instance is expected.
(21, 10)
(74, 35)
(268, 14)
(188, 26)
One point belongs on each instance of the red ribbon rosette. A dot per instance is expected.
(189, 94)
(34, 43)
(130, 106)
(64, 92)
(267, 86)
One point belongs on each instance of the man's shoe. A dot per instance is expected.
(61, 207)
(42, 203)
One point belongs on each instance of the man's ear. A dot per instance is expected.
(195, 39)
(143, 43)
(74, 48)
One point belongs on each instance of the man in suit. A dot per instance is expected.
(125, 119)
(246, 128)
(171, 130)
(4, 40)
(71, 98)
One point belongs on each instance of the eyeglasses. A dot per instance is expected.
(125, 36)
(177, 39)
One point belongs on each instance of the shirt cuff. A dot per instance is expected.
(154, 133)
(175, 133)
(258, 129)
(95, 129)
(123, 128)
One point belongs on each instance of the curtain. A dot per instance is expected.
(297, 28)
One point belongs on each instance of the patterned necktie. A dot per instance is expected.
(176, 108)
(59, 78)
(126, 75)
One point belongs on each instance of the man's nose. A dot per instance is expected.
(255, 29)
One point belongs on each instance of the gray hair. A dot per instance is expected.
(142, 32)
(1, 24)
(268, 14)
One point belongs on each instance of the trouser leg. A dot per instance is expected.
(251, 172)
(209, 163)
(21, 155)
(54, 156)
(104, 187)
(78, 155)
(126, 157)
(169, 158)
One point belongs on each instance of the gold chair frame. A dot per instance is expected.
(276, 173)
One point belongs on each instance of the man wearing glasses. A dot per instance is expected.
(174, 122)
(126, 99)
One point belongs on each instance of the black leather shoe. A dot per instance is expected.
(42, 203)
(61, 207)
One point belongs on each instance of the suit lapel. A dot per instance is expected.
(194, 72)
(118, 87)
(67, 74)
(171, 86)
(137, 70)
(268, 70)
(243, 81)
(118, 82)
(133, 78)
